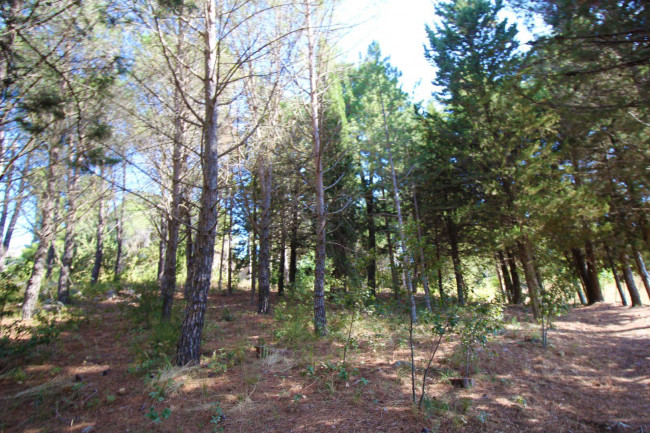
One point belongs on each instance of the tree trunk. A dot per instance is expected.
(7, 188)
(391, 258)
(371, 268)
(281, 261)
(528, 265)
(438, 258)
(45, 236)
(504, 295)
(168, 280)
(406, 257)
(4, 248)
(63, 289)
(264, 227)
(452, 231)
(579, 261)
(230, 211)
(640, 266)
(253, 264)
(221, 257)
(629, 281)
(51, 251)
(51, 256)
(293, 247)
(189, 249)
(99, 240)
(320, 318)
(119, 229)
(594, 291)
(506, 277)
(189, 343)
(423, 271)
(517, 294)
(161, 248)
(617, 280)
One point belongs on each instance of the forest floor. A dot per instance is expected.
(594, 376)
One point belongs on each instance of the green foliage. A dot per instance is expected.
(478, 322)
(217, 417)
(153, 340)
(156, 417)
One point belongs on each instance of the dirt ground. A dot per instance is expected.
(594, 376)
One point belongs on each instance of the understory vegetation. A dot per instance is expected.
(211, 221)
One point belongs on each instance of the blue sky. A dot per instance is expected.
(399, 27)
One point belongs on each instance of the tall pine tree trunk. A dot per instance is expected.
(253, 264)
(530, 273)
(161, 247)
(189, 248)
(320, 319)
(629, 281)
(265, 171)
(45, 235)
(423, 271)
(168, 280)
(281, 260)
(371, 268)
(99, 238)
(452, 231)
(119, 229)
(63, 288)
(506, 277)
(189, 343)
(617, 280)
(438, 258)
(293, 246)
(230, 211)
(640, 266)
(406, 256)
(4, 247)
(594, 291)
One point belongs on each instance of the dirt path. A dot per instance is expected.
(594, 377)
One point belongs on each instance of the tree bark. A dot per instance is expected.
(391, 257)
(265, 172)
(617, 280)
(506, 277)
(63, 288)
(406, 256)
(371, 268)
(452, 231)
(528, 265)
(293, 245)
(281, 261)
(594, 291)
(253, 264)
(161, 247)
(119, 229)
(45, 236)
(221, 258)
(320, 318)
(4, 248)
(189, 343)
(423, 271)
(99, 239)
(640, 266)
(629, 281)
(230, 211)
(189, 249)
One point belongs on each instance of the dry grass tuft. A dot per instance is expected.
(277, 361)
(52, 387)
(171, 378)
